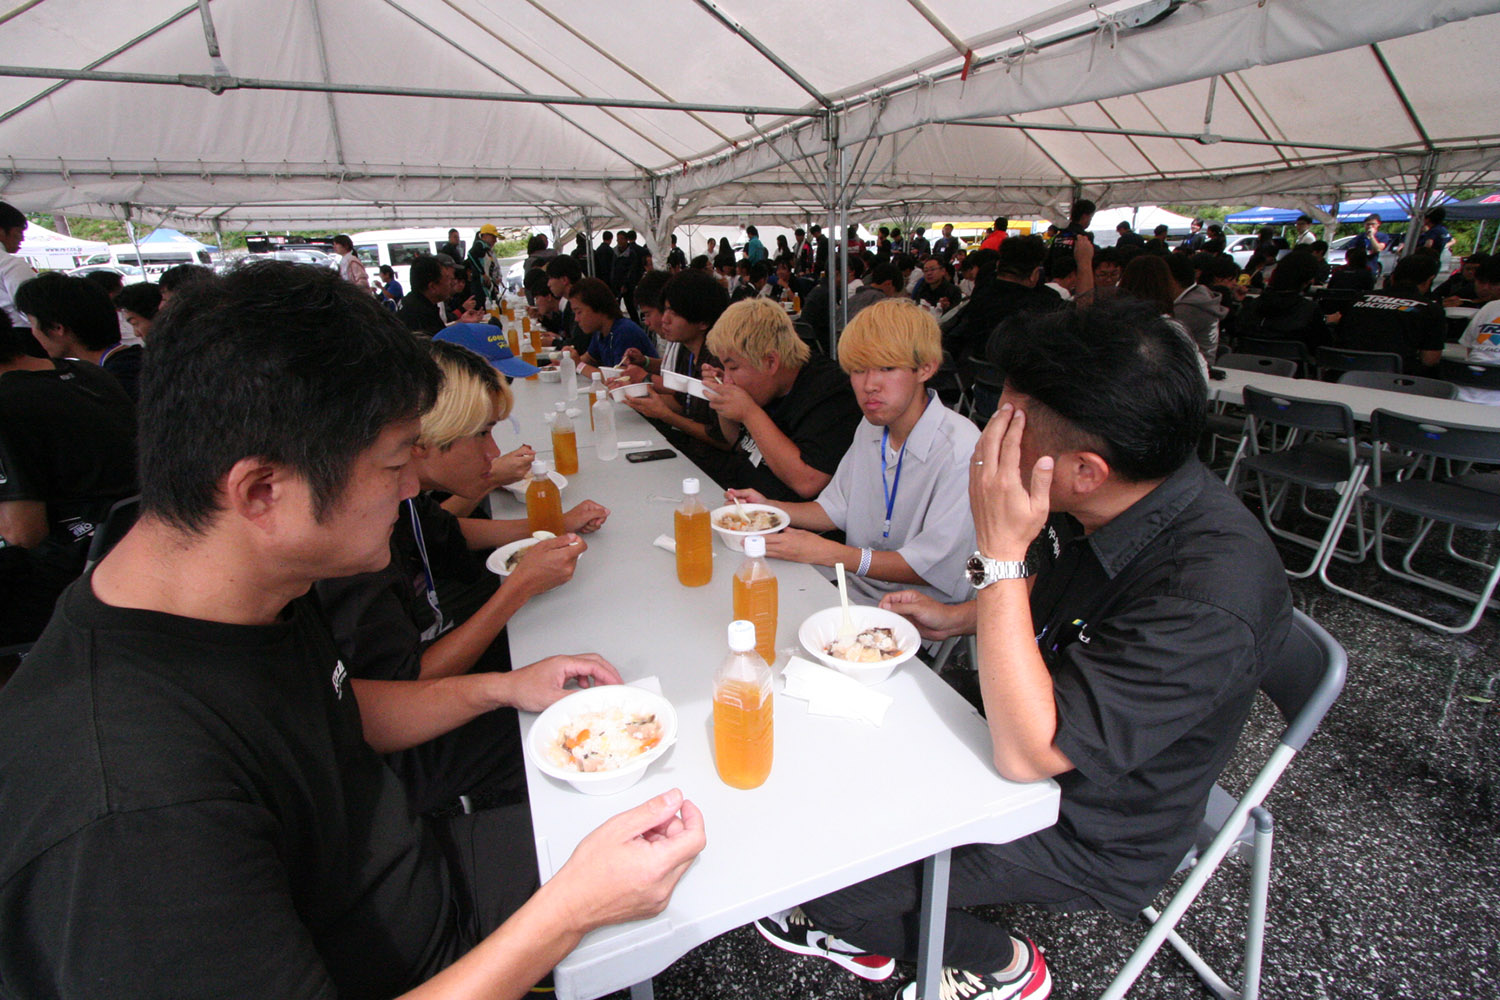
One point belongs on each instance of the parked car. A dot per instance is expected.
(129, 273)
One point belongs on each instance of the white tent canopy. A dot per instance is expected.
(301, 113)
(47, 249)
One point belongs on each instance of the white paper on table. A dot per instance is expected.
(832, 694)
(666, 542)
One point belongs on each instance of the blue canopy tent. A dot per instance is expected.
(1389, 208)
(1487, 207)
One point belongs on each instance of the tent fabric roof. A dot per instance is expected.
(425, 111)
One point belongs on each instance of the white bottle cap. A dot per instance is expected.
(690, 486)
(741, 636)
(596, 377)
(755, 546)
(538, 468)
(559, 407)
(572, 412)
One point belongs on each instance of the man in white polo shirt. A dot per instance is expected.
(914, 529)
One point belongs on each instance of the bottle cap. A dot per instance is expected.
(596, 377)
(755, 546)
(690, 486)
(559, 407)
(538, 468)
(572, 412)
(741, 636)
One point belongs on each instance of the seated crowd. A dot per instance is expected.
(268, 745)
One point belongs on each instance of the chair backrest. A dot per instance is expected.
(1317, 415)
(987, 375)
(1458, 442)
(1258, 363)
(1294, 350)
(1340, 360)
(117, 522)
(1414, 385)
(1306, 680)
(1472, 375)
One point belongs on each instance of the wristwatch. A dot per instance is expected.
(984, 571)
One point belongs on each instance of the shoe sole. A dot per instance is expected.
(875, 974)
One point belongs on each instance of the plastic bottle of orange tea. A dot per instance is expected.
(755, 598)
(543, 501)
(743, 735)
(694, 538)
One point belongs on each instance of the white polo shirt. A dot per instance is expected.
(931, 525)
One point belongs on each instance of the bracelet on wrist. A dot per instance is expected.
(865, 555)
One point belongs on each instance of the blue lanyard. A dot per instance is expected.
(436, 628)
(890, 490)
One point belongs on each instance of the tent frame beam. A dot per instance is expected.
(1160, 134)
(771, 57)
(218, 84)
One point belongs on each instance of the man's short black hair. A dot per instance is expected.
(1305, 218)
(564, 267)
(696, 296)
(751, 231)
(1413, 270)
(648, 290)
(1061, 267)
(11, 216)
(1001, 222)
(1124, 381)
(142, 298)
(883, 272)
(175, 279)
(1021, 255)
(759, 271)
(109, 281)
(1183, 271)
(535, 282)
(606, 235)
(1108, 255)
(1437, 216)
(1160, 231)
(1488, 270)
(425, 270)
(1221, 267)
(55, 299)
(1318, 246)
(1293, 271)
(1081, 207)
(276, 361)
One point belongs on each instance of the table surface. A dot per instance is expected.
(845, 800)
(1361, 401)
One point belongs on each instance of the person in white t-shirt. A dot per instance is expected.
(1482, 335)
(350, 267)
(900, 494)
(14, 271)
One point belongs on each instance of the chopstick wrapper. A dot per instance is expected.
(666, 542)
(830, 693)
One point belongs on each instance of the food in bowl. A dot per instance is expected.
(604, 740)
(870, 646)
(749, 520)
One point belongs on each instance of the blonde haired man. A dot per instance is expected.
(788, 414)
(914, 529)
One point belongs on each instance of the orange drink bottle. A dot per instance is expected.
(564, 441)
(528, 355)
(755, 600)
(694, 537)
(743, 734)
(513, 338)
(543, 501)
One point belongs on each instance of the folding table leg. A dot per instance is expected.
(642, 991)
(934, 922)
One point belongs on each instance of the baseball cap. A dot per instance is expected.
(488, 229)
(488, 342)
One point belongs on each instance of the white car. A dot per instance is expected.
(1241, 248)
(1388, 258)
(129, 273)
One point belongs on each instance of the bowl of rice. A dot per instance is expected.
(736, 522)
(883, 641)
(602, 739)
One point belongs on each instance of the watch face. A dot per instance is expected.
(975, 568)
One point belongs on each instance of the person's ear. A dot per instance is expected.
(770, 362)
(1089, 471)
(927, 370)
(253, 489)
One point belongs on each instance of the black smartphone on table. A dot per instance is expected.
(649, 456)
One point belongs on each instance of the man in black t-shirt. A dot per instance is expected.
(788, 415)
(73, 318)
(1125, 673)
(419, 310)
(1400, 319)
(1079, 218)
(67, 452)
(190, 803)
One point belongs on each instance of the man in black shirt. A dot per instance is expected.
(1078, 224)
(454, 248)
(1400, 319)
(937, 287)
(67, 452)
(419, 307)
(191, 805)
(788, 414)
(1125, 673)
(73, 318)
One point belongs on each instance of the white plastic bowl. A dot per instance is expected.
(596, 699)
(735, 540)
(550, 375)
(518, 488)
(498, 558)
(632, 389)
(822, 627)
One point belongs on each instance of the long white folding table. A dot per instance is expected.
(1361, 401)
(845, 800)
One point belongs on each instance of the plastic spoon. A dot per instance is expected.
(846, 623)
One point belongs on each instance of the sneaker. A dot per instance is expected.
(1034, 983)
(790, 930)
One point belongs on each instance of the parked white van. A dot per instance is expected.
(399, 247)
(155, 259)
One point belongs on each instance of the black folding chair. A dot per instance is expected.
(1394, 381)
(1334, 360)
(1469, 375)
(1291, 350)
(1303, 684)
(1225, 424)
(1429, 493)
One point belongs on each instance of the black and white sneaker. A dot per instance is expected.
(1034, 982)
(790, 930)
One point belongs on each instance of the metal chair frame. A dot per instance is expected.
(1304, 687)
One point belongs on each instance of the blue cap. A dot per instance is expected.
(487, 341)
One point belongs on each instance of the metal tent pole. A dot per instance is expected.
(832, 128)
